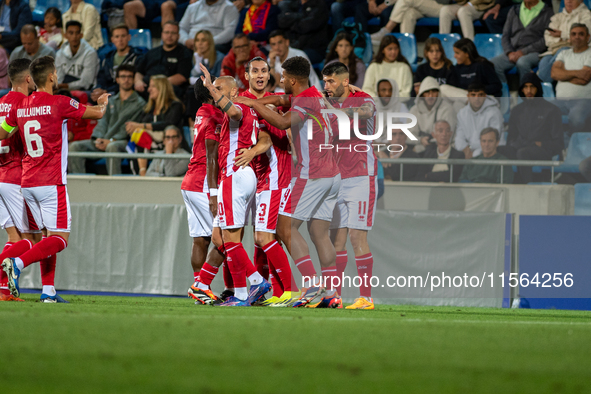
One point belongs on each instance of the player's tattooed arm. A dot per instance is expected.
(247, 155)
(366, 111)
(225, 103)
(97, 111)
(211, 152)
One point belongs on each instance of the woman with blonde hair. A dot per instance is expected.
(162, 109)
(206, 54)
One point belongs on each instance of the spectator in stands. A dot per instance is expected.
(523, 38)
(364, 11)
(306, 24)
(51, 33)
(466, 12)
(405, 14)
(173, 10)
(258, 20)
(557, 35)
(76, 62)
(437, 65)
(89, 17)
(572, 70)
(429, 108)
(219, 17)
(481, 112)
(151, 9)
(243, 50)
(342, 51)
(170, 59)
(489, 141)
(471, 68)
(388, 62)
(280, 52)
(441, 149)
(14, 14)
(32, 48)
(162, 109)
(496, 17)
(535, 127)
(389, 101)
(4, 84)
(172, 146)
(206, 54)
(122, 54)
(110, 135)
(399, 151)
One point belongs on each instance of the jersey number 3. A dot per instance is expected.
(30, 127)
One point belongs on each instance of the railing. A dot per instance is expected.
(401, 161)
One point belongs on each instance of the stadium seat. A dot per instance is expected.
(98, 4)
(408, 46)
(505, 104)
(488, 45)
(187, 136)
(140, 38)
(583, 199)
(368, 53)
(43, 5)
(105, 34)
(548, 90)
(579, 148)
(448, 41)
(435, 22)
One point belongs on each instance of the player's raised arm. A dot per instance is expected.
(221, 100)
(97, 111)
(211, 152)
(263, 144)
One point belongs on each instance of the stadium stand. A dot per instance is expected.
(583, 199)
(448, 41)
(579, 147)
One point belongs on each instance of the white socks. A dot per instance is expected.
(49, 290)
(255, 279)
(19, 263)
(241, 293)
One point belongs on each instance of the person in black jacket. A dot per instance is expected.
(442, 149)
(20, 15)
(535, 127)
(392, 171)
(306, 23)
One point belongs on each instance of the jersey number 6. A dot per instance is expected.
(30, 127)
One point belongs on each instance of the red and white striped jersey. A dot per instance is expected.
(42, 121)
(208, 121)
(11, 149)
(356, 157)
(315, 160)
(236, 135)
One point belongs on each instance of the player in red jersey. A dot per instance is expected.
(357, 162)
(41, 120)
(201, 198)
(316, 181)
(273, 170)
(240, 130)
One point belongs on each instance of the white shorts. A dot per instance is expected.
(235, 194)
(285, 203)
(13, 210)
(267, 210)
(198, 214)
(356, 205)
(314, 198)
(50, 207)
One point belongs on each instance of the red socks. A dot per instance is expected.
(341, 265)
(328, 274)
(207, 274)
(228, 282)
(238, 262)
(279, 262)
(305, 266)
(365, 267)
(275, 282)
(3, 277)
(42, 250)
(16, 250)
(260, 262)
(48, 270)
(196, 276)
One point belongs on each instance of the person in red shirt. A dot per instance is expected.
(240, 130)
(41, 120)
(357, 162)
(316, 181)
(235, 61)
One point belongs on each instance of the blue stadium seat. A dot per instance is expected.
(548, 90)
(448, 41)
(187, 136)
(105, 34)
(408, 46)
(435, 22)
(579, 148)
(583, 199)
(96, 3)
(141, 38)
(505, 104)
(43, 5)
(488, 45)
(368, 53)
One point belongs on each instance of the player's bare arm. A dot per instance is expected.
(281, 121)
(263, 144)
(97, 111)
(6, 130)
(211, 148)
(225, 103)
(366, 111)
(276, 100)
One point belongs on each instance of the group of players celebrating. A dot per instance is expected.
(248, 144)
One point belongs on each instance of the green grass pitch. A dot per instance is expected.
(169, 345)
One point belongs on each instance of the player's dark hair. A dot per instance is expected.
(490, 130)
(298, 67)
(74, 23)
(57, 14)
(41, 68)
(256, 59)
(17, 69)
(278, 33)
(202, 94)
(476, 87)
(125, 67)
(336, 68)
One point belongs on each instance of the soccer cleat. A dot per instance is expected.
(362, 303)
(270, 301)
(260, 301)
(203, 297)
(223, 297)
(284, 301)
(233, 301)
(257, 291)
(10, 298)
(56, 299)
(329, 301)
(308, 295)
(13, 273)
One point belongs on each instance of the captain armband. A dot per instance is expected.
(8, 128)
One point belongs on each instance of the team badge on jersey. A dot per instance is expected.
(74, 103)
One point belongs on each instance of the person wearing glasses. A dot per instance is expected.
(172, 146)
(233, 65)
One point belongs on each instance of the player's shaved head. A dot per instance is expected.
(18, 70)
(226, 85)
(227, 80)
(41, 68)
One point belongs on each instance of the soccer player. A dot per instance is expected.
(356, 204)
(273, 170)
(41, 119)
(240, 130)
(316, 181)
(201, 199)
